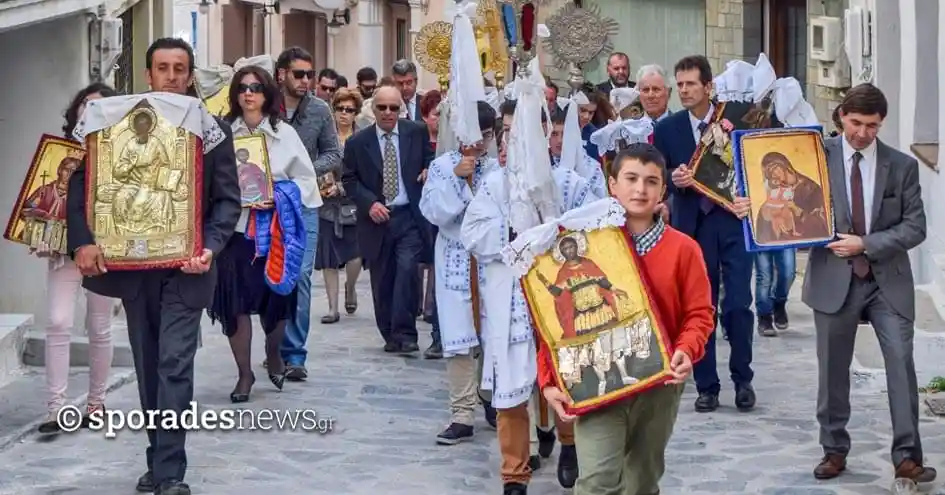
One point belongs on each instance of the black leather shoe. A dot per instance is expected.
(744, 397)
(173, 487)
(435, 351)
(707, 402)
(546, 442)
(567, 466)
(489, 412)
(145, 483)
(515, 489)
(409, 348)
(392, 347)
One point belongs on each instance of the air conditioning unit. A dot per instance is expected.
(826, 38)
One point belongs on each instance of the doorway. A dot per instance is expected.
(787, 38)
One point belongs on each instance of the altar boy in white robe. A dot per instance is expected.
(567, 149)
(522, 193)
(451, 182)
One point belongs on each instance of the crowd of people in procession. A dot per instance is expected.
(381, 189)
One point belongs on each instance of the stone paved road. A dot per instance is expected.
(387, 410)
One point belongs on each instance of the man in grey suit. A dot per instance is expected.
(865, 275)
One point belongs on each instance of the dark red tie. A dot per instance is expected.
(861, 266)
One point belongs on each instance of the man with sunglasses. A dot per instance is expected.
(311, 117)
(326, 84)
(381, 165)
(367, 81)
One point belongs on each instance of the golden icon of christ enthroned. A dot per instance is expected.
(145, 184)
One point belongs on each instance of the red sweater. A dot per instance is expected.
(679, 284)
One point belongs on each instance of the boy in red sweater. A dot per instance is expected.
(621, 447)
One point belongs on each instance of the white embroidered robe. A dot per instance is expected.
(510, 365)
(444, 201)
(591, 170)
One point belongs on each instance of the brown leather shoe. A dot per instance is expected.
(830, 466)
(909, 469)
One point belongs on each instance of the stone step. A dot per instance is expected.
(13, 330)
(23, 399)
(34, 352)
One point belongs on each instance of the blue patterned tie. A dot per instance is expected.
(704, 203)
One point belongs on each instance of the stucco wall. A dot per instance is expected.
(51, 61)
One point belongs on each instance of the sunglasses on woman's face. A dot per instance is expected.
(348, 110)
(252, 88)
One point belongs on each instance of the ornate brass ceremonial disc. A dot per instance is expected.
(579, 35)
(434, 46)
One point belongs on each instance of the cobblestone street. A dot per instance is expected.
(386, 411)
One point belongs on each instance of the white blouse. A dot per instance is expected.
(288, 160)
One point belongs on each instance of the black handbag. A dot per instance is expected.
(347, 214)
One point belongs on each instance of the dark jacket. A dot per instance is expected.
(607, 85)
(674, 138)
(363, 181)
(221, 211)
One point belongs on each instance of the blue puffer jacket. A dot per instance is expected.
(280, 237)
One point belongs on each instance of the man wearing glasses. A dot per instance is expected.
(326, 84)
(311, 117)
(382, 164)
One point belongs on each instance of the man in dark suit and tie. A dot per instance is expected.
(405, 77)
(382, 168)
(866, 274)
(164, 307)
(718, 231)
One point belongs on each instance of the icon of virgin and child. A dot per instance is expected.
(794, 207)
(605, 325)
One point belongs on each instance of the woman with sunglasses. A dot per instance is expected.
(63, 284)
(242, 289)
(337, 230)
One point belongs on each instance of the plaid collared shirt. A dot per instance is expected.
(645, 242)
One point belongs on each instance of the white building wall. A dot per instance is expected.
(51, 64)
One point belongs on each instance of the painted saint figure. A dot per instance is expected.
(254, 189)
(804, 203)
(48, 201)
(142, 203)
(585, 300)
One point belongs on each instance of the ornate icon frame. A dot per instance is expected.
(739, 138)
(663, 344)
(49, 231)
(259, 141)
(99, 145)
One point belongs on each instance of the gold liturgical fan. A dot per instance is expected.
(433, 48)
(579, 35)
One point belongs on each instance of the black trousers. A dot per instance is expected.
(395, 286)
(164, 333)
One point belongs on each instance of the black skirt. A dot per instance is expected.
(242, 289)
(333, 250)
